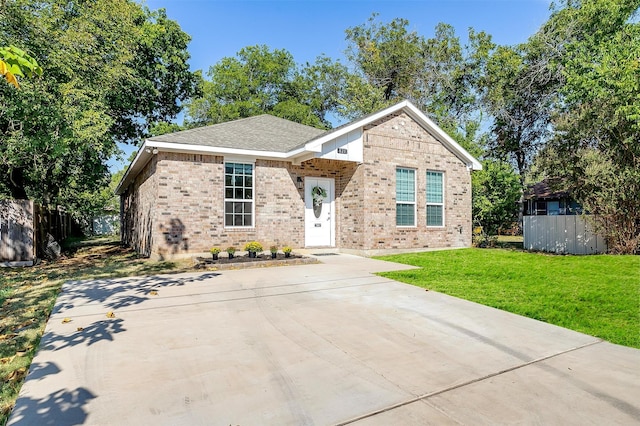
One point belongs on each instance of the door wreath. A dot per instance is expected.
(318, 194)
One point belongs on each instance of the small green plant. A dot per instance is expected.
(273, 249)
(214, 250)
(286, 250)
(253, 247)
(231, 250)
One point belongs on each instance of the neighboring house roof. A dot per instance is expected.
(542, 191)
(270, 137)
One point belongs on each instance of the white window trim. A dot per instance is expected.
(253, 192)
(415, 197)
(444, 222)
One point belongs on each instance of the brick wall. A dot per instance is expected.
(400, 142)
(189, 210)
(138, 210)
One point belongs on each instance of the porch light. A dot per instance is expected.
(300, 182)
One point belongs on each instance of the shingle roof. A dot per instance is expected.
(260, 133)
(543, 190)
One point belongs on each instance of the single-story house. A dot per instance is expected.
(553, 222)
(390, 181)
(541, 200)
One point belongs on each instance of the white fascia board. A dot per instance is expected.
(316, 145)
(440, 134)
(142, 157)
(211, 150)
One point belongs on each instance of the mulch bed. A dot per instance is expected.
(244, 262)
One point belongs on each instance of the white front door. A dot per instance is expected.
(319, 212)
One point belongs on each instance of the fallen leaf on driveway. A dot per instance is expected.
(66, 320)
(110, 314)
(153, 293)
(79, 328)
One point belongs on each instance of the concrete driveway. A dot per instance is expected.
(316, 344)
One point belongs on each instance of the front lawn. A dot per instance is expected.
(597, 295)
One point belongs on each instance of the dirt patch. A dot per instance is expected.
(244, 262)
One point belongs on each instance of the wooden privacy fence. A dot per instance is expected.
(26, 227)
(561, 234)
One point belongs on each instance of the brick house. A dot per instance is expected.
(391, 181)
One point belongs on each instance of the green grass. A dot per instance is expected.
(27, 296)
(597, 295)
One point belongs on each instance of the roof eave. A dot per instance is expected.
(142, 158)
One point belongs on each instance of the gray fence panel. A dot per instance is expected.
(561, 234)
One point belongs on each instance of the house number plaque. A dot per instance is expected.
(317, 225)
(342, 150)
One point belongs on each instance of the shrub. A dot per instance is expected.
(214, 250)
(231, 250)
(273, 249)
(253, 247)
(286, 249)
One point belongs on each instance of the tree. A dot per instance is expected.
(437, 74)
(595, 153)
(112, 66)
(259, 80)
(496, 191)
(16, 62)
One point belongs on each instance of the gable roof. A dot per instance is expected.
(412, 111)
(266, 136)
(259, 133)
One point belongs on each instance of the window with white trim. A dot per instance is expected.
(405, 197)
(238, 194)
(435, 198)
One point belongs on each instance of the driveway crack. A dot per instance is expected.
(467, 383)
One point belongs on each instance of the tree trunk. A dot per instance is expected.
(16, 184)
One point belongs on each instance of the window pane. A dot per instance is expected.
(405, 185)
(405, 215)
(434, 187)
(238, 186)
(434, 216)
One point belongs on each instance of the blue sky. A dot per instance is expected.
(308, 28)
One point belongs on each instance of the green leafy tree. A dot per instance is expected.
(595, 153)
(438, 74)
(259, 80)
(496, 191)
(112, 66)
